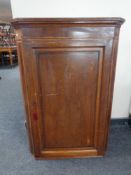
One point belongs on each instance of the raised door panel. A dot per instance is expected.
(68, 81)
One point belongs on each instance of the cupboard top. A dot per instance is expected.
(98, 21)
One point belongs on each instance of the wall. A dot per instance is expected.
(92, 8)
(5, 10)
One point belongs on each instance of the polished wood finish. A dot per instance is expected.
(67, 71)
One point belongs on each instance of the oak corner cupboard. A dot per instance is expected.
(67, 70)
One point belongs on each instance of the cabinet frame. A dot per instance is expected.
(30, 46)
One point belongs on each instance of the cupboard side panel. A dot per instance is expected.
(24, 92)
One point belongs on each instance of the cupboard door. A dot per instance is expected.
(67, 90)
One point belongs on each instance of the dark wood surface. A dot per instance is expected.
(67, 71)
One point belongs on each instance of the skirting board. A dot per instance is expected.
(123, 121)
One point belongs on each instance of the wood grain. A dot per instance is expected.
(67, 70)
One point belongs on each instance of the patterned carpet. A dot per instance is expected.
(15, 158)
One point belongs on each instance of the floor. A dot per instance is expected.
(15, 158)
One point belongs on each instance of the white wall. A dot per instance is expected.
(92, 8)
